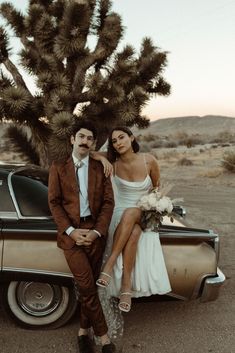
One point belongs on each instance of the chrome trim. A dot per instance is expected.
(8, 215)
(19, 214)
(177, 296)
(43, 272)
(35, 231)
(38, 300)
(36, 218)
(12, 193)
(1, 254)
(185, 234)
(216, 244)
(217, 247)
(197, 287)
(211, 287)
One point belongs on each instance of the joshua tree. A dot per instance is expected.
(70, 49)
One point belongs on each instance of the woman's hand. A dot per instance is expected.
(108, 168)
(102, 157)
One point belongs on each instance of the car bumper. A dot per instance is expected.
(211, 287)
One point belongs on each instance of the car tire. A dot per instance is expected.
(37, 305)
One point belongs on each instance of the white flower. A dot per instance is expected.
(152, 200)
(155, 205)
(155, 201)
(170, 207)
(164, 205)
(144, 203)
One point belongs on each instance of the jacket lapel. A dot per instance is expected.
(70, 175)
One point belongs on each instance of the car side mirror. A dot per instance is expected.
(179, 210)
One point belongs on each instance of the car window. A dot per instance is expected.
(31, 195)
(6, 204)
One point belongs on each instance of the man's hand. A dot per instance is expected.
(79, 236)
(91, 235)
(83, 236)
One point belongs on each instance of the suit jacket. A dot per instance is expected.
(63, 198)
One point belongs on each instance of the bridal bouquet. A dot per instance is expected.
(155, 205)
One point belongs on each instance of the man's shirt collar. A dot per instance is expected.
(85, 160)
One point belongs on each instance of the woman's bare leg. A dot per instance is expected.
(129, 256)
(130, 217)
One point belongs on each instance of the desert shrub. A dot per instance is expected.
(225, 144)
(185, 161)
(171, 144)
(181, 135)
(145, 147)
(170, 155)
(228, 161)
(224, 137)
(182, 138)
(157, 144)
(191, 141)
(149, 137)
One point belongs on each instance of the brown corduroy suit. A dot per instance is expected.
(84, 262)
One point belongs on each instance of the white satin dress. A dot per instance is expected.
(149, 275)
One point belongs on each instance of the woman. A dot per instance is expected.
(134, 264)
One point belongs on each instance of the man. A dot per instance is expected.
(81, 202)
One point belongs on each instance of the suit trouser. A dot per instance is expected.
(85, 264)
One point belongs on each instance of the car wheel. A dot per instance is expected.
(40, 305)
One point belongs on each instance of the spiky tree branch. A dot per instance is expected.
(15, 74)
(104, 85)
(21, 141)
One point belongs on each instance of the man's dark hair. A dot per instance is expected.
(112, 154)
(83, 124)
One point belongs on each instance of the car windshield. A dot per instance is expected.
(30, 190)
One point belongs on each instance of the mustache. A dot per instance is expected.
(84, 145)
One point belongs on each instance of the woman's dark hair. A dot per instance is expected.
(112, 154)
(84, 124)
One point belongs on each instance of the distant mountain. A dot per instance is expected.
(192, 125)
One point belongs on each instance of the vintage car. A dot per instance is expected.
(38, 289)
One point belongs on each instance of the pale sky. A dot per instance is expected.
(200, 38)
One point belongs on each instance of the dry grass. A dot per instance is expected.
(212, 173)
(170, 155)
(185, 162)
(228, 161)
(150, 141)
(224, 137)
(145, 147)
